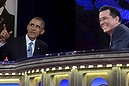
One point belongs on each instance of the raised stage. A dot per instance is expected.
(78, 68)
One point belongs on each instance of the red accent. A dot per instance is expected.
(6, 59)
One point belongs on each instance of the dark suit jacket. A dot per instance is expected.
(120, 38)
(15, 48)
(8, 20)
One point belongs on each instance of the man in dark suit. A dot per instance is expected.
(6, 18)
(17, 48)
(110, 22)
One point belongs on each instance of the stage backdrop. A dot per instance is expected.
(9, 16)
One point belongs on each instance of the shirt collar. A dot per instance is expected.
(28, 40)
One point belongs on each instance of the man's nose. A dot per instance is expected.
(34, 27)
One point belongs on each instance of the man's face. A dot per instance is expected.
(107, 23)
(35, 28)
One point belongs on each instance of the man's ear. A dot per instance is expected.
(27, 27)
(117, 18)
(42, 31)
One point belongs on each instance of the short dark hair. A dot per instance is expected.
(40, 20)
(113, 11)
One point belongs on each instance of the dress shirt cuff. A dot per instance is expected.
(1, 44)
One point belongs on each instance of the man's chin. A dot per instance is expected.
(105, 31)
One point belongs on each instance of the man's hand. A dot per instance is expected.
(4, 35)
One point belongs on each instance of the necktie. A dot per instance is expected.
(29, 51)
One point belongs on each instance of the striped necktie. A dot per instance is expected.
(29, 51)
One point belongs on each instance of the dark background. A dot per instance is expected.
(59, 16)
(71, 25)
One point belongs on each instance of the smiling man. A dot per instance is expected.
(21, 47)
(110, 22)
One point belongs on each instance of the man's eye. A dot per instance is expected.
(37, 26)
(31, 24)
(104, 18)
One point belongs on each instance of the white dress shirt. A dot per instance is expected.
(27, 43)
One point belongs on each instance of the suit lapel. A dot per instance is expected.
(37, 48)
(23, 47)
